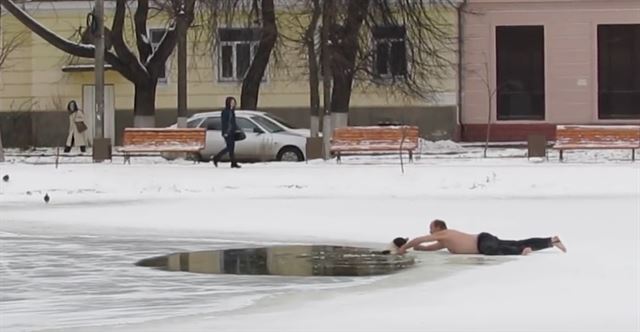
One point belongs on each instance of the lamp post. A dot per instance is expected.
(182, 68)
(101, 146)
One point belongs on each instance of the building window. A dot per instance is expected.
(619, 71)
(520, 72)
(156, 36)
(390, 57)
(236, 51)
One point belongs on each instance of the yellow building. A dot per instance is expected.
(38, 80)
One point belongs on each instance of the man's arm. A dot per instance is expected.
(432, 247)
(417, 241)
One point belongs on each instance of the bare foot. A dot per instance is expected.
(526, 251)
(558, 244)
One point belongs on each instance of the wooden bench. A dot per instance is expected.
(160, 140)
(374, 139)
(597, 137)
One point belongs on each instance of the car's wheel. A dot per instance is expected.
(290, 153)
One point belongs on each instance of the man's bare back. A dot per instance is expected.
(458, 242)
(455, 241)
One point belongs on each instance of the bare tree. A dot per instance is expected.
(419, 33)
(143, 69)
(302, 35)
(345, 45)
(328, 20)
(411, 52)
(258, 15)
(9, 45)
(310, 37)
(253, 79)
(491, 91)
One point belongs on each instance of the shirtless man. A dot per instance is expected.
(484, 243)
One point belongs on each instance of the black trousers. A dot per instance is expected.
(489, 244)
(73, 142)
(230, 149)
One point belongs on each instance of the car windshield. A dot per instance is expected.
(194, 123)
(267, 124)
(279, 120)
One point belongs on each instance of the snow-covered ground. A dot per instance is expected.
(127, 212)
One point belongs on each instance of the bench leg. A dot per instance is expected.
(561, 155)
(338, 160)
(127, 159)
(410, 156)
(633, 154)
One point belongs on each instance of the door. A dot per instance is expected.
(252, 147)
(89, 108)
(214, 142)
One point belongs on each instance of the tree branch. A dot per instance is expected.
(183, 11)
(120, 46)
(80, 50)
(162, 53)
(67, 46)
(8, 46)
(251, 82)
(142, 39)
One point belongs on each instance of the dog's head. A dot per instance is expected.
(400, 241)
(396, 244)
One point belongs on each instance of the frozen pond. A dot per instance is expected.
(62, 281)
(65, 281)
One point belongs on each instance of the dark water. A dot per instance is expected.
(298, 260)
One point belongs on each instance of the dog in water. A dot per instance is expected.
(392, 248)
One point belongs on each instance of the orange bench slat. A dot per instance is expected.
(375, 138)
(163, 139)
(597, 137)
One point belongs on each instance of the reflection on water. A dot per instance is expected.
(315, 260)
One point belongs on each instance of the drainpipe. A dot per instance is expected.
(461, 9)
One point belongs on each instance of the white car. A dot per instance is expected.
(268, 137)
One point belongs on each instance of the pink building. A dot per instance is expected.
(548, 62)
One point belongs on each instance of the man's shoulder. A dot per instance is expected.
(449, 232)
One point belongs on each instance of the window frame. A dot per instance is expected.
(376, 41)
(255, 125)
(531, 93)
(600, 114)
(253, 44)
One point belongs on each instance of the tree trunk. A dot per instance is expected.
(340, 98)
(314, 79)
(144, 105)
(328, 17)
(345, 45)
(251, 83)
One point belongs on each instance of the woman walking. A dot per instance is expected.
(229, 128)
(77, 128)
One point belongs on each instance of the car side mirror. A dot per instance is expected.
(258, 131)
